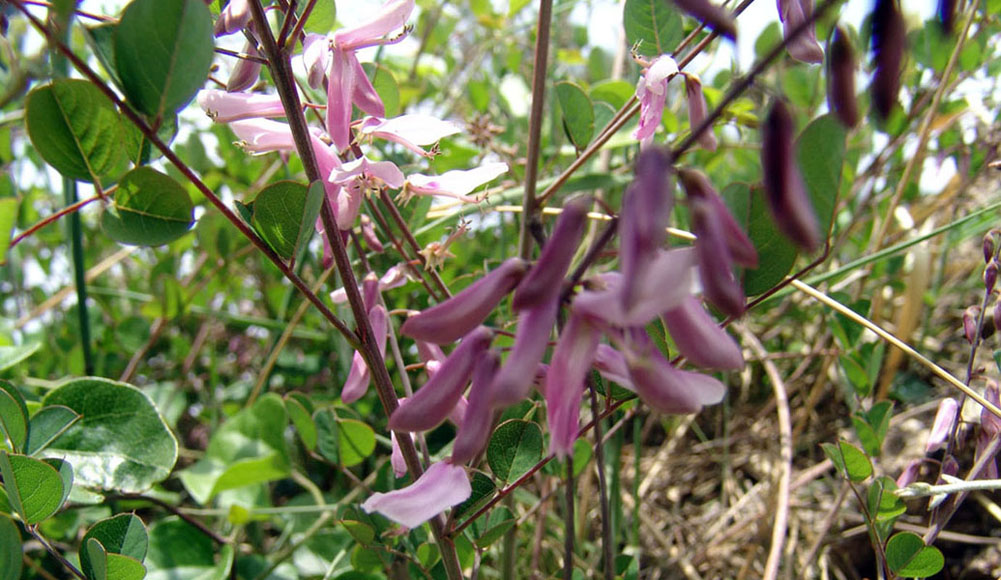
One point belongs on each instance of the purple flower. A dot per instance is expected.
(453, 318)
(841, 79)
(442, 486)
(515, 379)
(359, 376)
(568, 369)
(651, 90)
(889, 39)
(226, 107)
(544, 281)
(945, 418)
(700, 339)
(711, 15)
(646, 210)
(784, 189)
(719, 284)
(438, 397)
(474, 432)
(233, 18)
(661, 385)
(804, 46)
(698, 187)
(246, 72)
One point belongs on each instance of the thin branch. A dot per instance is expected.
(606, 519)
(535, 126)
(54, 217)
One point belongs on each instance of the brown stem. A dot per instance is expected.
(63, 212)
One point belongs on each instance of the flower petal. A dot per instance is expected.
(516, 377)
(391, 16)
(340, 93)
(410, 131)
(545, 280)
(700, 339)
(570, 364)
(442, 486)
(474, 432)
(456, 183)
(315, 58)
(225, 107)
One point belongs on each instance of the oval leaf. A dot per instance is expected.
(908, 556)
(284, 214)
(163, 50)
(34, 488)
(849, 460)
(123, 534)
(820, 151)
(356, 441)
(47, 424)
(150, 209)
(776, 254)
(10, 550)
(120, 443)
(75, 128)
(515, 447)
(11, 355)
(578, 113)
(13, 417)
(656, 24)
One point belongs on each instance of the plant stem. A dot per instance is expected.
(599, 454)
(529, 218)
(569, 531)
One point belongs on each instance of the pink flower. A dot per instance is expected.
(651, 90)
(700, 339)
(565, 382)
(442, 486)
(516, 377)
(246, 71)
(226, 107)
(945, 418)
(698, 111)
(359, 376)
(646, 211)
(544, 281)
(455, 317)
(393, 278)
(233, 18)
(456, 183)
(356, 180)
(661, 385)
(474, 432)
(411, 131)
(438, 397)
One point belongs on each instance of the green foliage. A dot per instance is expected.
(123, 535)
(578, 113)
(34, 488)
(151, 209)
(514, 448)
(907, 555)
(655, 24)
(849, 460)
(10, 550)
(284, 214)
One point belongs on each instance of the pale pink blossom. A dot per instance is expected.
(651, 90)
(357, 179)
(359, 376)
(456, 183)
(410, 131)
(442, 486)
(945, 418)
(226, 107)
(393, 278)
(233, 18)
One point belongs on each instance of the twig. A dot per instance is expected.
(54, 217)
(535, 127)
(599, 450)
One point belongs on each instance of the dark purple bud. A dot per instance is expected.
(803, 47)
(989, 422)
(543, 282)
(516, 377)
(889, 38)
(664, 387)
(453, 318)
(841, 79)
(646, 210)
(991, 275)
(568, 369)
(784, 189)
(474, 432)
(700, 339)
(711, 15)
(947, 15)
(246, 71)
(910, 473)
(698, 111)
(433, 402)
(997, 315)
(719, 284)
(697, 186)
(989, 246)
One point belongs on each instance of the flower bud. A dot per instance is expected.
(568, 369)
(698, 111)
(711, 15)
(945, 418)
(910, 473)
(719, 284)
(646, 211)
(246, 71)
(989, 422)
(433, 402)
(946, 15)
(544, 281)
(991, 275)
(997, 315)
(889, 37)
(841, 79)
(970, 323)
(989, 246)
(664, 387)
(516, 377)
(803, 47)
(233, 18)
(453, 318)
(359, 376)
(741, 248)
(784, 189)
(369, 235)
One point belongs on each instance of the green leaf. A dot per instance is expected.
(656, 24)
(163, 50)
(614, 92)
(12, 355)
(776, 254)
(34, 488)
(249, 448)
(150, 209)
(483, 491)
(121, 443)
(360, 531)
(849, 460)
(578, 113)
(323, 17)
(10, 550)
(514, 448)
(356, 441)
(48, 424)
(100, 39)
(820, 152)
(345, 442)
(303, 422)
(872, 426)
(123, 534)
(882, 502)
(908, 556)
(65, 471)
(75, 128)
(284, 214)
(177, 550)
(106, 565)
(489, 527)
(13, 417)
(385, 86)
